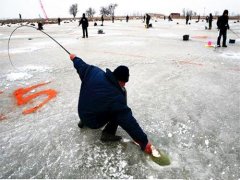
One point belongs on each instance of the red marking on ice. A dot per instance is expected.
(190, 62)
(1, 92)
(21, 100)
(199, 37)
(124, 54)
(235, 69)
(2, 117)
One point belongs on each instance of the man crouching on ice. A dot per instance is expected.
(103, 101)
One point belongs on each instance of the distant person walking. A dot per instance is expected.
(198, 18)
(222, 24)
(112, 19)
(40, 26)
(207, 18)
(144, 17)
(59, 21)
(210, 21)
(127, 18)
(169, 18)
(102, 19)
(148, 17)
(20, 16)
(187, 19)
(84, 23)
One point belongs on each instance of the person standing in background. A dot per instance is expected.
(84, 23)
(222, 24)
(187, 19)
(59, 21)
(210, 21)
(102, 19)
(148, 17)
(127, 18)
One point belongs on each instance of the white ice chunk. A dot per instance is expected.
(207, 142)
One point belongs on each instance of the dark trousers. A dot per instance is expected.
(111, 127)
(100, 120)
(210, 24)
(110, 121)
(147, 22)
(85, 31)
(224, 34)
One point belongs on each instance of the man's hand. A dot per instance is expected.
(72, 56)
(148, 148)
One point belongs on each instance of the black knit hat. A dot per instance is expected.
(121, 73)
(225, 12)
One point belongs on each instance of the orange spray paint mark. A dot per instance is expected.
(21, 100)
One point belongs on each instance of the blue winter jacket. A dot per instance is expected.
(101, 95)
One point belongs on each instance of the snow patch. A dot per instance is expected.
(127, 43)
(168, 35)
(18, 76)
(231, 55)
(35, 68)
(151, 177)
(22, 50)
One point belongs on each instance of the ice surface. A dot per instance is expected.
(184, 95)
(18, 76)
(231, 55)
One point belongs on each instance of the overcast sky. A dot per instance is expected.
(60, 8)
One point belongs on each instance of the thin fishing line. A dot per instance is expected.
(234, 33)
(36, 29)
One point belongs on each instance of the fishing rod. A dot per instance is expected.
(234, 33)
(35, 29)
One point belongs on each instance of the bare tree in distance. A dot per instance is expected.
(184, 12)
(190, 12)
(104, 11)
(73, 10)
(111, 8)
(216, 13)
(90, 12)
(108, 10)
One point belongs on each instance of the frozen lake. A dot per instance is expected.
(186, 97)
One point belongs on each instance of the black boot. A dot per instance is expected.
(80, 124)
(106, 137)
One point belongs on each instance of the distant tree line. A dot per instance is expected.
(190, 12)
(105, 11)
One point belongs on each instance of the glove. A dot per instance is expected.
(148, 148)
(72, 56)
